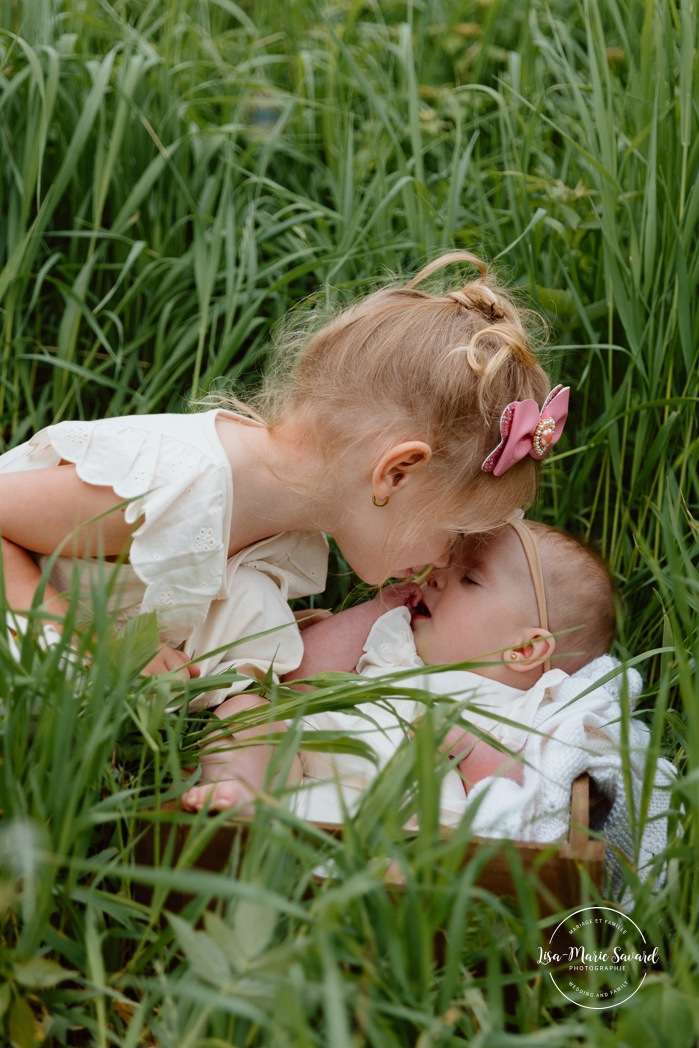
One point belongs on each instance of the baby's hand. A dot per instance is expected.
(399, 595)
(169, 660)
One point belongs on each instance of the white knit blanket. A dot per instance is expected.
(582, 730)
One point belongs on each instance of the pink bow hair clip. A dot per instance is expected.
(527, 431)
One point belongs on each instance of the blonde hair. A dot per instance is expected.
(580, 597)
(405, 364)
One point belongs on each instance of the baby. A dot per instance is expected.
(509, 601)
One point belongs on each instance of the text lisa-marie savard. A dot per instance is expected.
(582, 956)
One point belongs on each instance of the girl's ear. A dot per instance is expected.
(397, 465)
(536, 648)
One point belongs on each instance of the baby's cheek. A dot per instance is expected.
(421, 645)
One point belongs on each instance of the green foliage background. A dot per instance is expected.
(174, 179)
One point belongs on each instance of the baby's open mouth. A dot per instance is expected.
(420, 611)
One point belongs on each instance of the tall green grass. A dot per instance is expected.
(176, 177)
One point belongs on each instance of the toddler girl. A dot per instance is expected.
(379, 434)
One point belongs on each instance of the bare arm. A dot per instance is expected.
(478, 759)
(40, 511)
(337, 641)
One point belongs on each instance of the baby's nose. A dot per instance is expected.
(437, 578)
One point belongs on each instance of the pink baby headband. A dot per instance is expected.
(527, 431)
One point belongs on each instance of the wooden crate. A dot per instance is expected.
(557, 870)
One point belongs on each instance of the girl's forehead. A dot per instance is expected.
(485, 546)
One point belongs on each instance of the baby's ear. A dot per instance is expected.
(534, 650)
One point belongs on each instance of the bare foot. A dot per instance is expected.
(220, 796)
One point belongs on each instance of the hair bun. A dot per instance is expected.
(478, 295)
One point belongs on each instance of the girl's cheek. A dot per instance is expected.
(441, 554)
(428, 551)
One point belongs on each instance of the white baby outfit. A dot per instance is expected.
(177, 478)
(564, 726)
(332, 780)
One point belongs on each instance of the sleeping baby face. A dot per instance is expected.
(481, 605)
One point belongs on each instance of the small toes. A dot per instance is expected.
(218, 796)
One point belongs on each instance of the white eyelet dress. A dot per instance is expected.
(177, 480)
